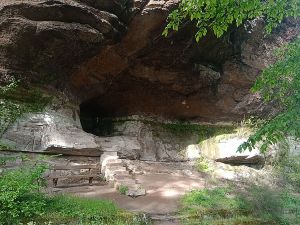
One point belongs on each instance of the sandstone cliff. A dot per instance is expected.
(107, 58)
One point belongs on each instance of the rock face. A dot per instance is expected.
(56, 130)
(43, 40)
(177, 78)
(108, 59)
(112, 56)
(156, 142)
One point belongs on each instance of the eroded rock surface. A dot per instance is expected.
(112, 56)
(109, 59)
(57, 130)
(42, 40)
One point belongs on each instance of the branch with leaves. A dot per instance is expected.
(219, 15)
(281, 83)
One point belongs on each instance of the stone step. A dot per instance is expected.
(118, 175)
(115, 167)
(107, 157)
(115, 164)
(112, 175)
(115, 161)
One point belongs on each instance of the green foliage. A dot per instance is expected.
(16, 100)
(202, 164)
(288, 168)
(63, 209)
(70, 209)
(123, 189)
(215, 206)
(4, 146)
(273, 204)
(23, 202)
(19, 194)
(280, 84)
(291, 172)
(4, 159)
(228, 206)
(218, 16)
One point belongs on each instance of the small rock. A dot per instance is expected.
(136, 192)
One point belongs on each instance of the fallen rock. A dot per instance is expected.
(136, 192)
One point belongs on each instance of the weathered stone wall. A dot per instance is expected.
(109, 58)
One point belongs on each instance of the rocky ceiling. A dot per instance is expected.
(111, 57)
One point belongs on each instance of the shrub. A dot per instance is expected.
(123, 189)
(202, 164)
(23, 202)
(290, 170)
(19, 194)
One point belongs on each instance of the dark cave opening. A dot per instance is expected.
(95, 120)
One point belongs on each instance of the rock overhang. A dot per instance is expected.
(112, 59)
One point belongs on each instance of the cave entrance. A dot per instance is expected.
(96, 120)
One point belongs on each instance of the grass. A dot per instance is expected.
(5, 159)
(4, 146)
(23, 202)
(68, 210)
(74, 210)
(289, 168)
(256, 205)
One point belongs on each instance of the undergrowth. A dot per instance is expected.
(256, 205)
(287, 165)
(123, 189)
(202, 164)
(22, 201)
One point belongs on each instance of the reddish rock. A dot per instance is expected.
(112, 57)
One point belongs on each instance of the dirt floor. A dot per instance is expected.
(162, 201)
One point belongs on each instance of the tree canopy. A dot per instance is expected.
(219, 15)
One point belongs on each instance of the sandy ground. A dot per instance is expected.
(162, 201)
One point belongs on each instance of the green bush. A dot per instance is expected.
(23, 202)
(123, 189)
(202, 165)
(19, 194)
